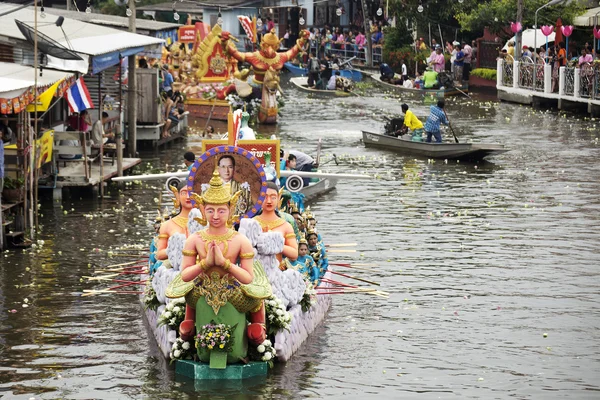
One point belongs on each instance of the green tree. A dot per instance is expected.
(497, 14)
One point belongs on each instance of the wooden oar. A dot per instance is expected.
(342, 245)
(352, 266)
(120, 265)
(340, 251)
(105, 291)
(450, 126)
(354, 277)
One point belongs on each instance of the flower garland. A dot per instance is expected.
(309, 298)
(150, 299)
(277, 316)
(263, 352)
(181, 350)
(173, 314)
(218, 337)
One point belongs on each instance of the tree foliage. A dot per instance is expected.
(497, 14)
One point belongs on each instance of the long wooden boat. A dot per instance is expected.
(451, 151)
(440, 93)
(301, 83)
(296, 71)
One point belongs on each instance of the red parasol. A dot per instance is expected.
(559, 35)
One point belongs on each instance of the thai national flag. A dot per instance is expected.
(78, 97)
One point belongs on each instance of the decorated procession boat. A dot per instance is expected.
(450, 151)
(439, 93)
(282, 295)
(301, 83)
(298, 71)
(211, 82)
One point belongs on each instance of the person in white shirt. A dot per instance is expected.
(98, 134)
(404, 71)
(408, 83)
(331, 85)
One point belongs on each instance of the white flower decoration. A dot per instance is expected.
(177, 353)
(261, 348)
(186, 345)
(245, 186)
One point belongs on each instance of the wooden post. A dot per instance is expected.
(100, 108)
(369, 49)
(518, 35)
(119, 135)
(131, 93)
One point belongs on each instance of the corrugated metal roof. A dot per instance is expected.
(113, 20)
(197, 6)
(15, 78)
(85, 38)
(590, 18)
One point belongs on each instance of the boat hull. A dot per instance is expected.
(301, 84)
(450, 151)
(296, 71)
(315, 190)
(441, 93)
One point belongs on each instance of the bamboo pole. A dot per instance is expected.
(355, 277)
(100, 108)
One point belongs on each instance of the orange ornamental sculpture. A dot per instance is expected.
(266, 64)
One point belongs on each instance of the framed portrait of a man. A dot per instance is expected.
(240, 171)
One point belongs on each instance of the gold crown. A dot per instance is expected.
(293, 208)
(271, 39)
(302, 240)
(311, 232)
(217, 193)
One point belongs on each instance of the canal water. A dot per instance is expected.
(492, 270)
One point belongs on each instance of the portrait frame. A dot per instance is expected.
(255, 147)
(203, 167)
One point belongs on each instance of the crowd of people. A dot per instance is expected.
(461, 55)
(555, 55)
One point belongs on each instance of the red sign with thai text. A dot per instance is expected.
(187, 34)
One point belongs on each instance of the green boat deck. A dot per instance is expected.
(202, 371)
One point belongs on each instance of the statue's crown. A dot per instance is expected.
(271, 39)
(217, 193)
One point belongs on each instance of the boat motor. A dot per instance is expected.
(174, 181)
(294, 183)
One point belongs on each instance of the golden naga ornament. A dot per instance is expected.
(175, 199)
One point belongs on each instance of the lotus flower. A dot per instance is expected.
(548, 29)
(515, 27)
(567, 30)
(596, 32)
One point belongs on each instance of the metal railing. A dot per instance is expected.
(526, 70)
(587, 80)
(507, 73)
(569, 81)
(347, 51)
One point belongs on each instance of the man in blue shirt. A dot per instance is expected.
(432, 125)
(387, 74)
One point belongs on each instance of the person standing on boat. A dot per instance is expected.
(325, 71)
(413, 123)
(314, 67)
(404, 71)
(432, 125)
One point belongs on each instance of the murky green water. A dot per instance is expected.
(480, 260)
